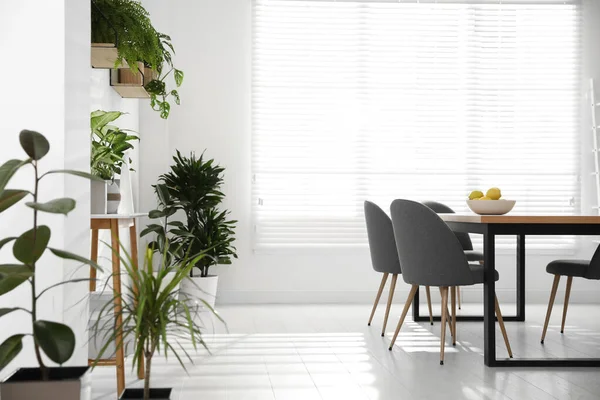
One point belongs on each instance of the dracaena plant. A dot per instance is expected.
(109, 144)
(155, 316)
(54, 339)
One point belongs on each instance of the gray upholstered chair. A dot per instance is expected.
(463, 238)
(384, 256)
(431, 255)
(569, 268)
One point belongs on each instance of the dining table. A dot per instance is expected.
(491, 226)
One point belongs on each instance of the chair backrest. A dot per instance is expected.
(593, 271)
(382, 245)
(463, 238)
(429, 252)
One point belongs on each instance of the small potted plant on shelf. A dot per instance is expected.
(194, 187)
(155, 316)
(109, 145)
(147, 52)
(54, 339)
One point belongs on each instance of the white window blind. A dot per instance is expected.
(356, 100)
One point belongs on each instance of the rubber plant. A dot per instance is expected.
(127, 24)
(54, 339)
(109, 144)
(154, 314)
(194, 186)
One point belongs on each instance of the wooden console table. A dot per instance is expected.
(112, 222)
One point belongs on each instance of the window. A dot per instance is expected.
(356, 100)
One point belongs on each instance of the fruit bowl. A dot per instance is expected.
(491, 207)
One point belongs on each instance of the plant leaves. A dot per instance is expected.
(24, 249)
(71, 256)
(156, 214)
(76, 173)
(34, 143)
(4, 311)
(175, 94)
(6, 240)
(13, 275)
(178, 74)
(57, 340)
(8, 169)
(10, 197)
(101, 118)
(57, 206)
(10, 349)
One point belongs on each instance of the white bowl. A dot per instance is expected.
(491, 207)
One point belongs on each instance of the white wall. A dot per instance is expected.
(45, 88)
(213, 43)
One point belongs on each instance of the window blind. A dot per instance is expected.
(357, 100)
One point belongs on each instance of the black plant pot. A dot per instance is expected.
(65, 383)
(138, 394)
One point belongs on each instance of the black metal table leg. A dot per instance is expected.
(520, 278)
(415, 306)
(489, 296)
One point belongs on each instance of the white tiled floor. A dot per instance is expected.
(328, 352)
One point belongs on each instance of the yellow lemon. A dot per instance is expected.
(475, 194)
(484, 198)
(494, 193)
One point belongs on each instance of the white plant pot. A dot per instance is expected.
(113, 196)
(198, 289)
(68, 383)
(98, 194)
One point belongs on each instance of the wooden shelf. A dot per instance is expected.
(103, 55)
(130, 85)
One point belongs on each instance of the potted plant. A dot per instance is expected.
(54, 339)
(194, 186)
(127, 25)
(155, 317)
(109, 144)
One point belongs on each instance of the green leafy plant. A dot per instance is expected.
(127, 24)
(194, 186)
(154, 314)
(54, 339)
(109, 144)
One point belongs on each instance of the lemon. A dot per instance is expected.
(494, 193)
(475, 194)
(484, 198)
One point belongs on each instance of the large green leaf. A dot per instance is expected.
(8, 169)
(57, 340)
(57, 206)
(76, 173)
(34, 143)
(10, 349)
(101, 118)
(10, 197)
(13, 275)
(70, 256)
(6, 240)
(4, 311)
(28, 252)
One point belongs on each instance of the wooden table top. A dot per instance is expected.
(521, 219)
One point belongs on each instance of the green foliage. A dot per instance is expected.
(127, 24)
(154, 315)
(56, 340)
(194, 186)
(109, 144)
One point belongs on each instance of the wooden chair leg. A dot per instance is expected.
(453, 296)
(458, 296)
(444, 317)
(389, 302)
(567, 295)
(550, 304)
(503, 328)
(409, 300)
(428, 292)
(447, 316)
(381, 286)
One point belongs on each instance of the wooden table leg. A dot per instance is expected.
(116, 269)
(134, 258)
(94, 258)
